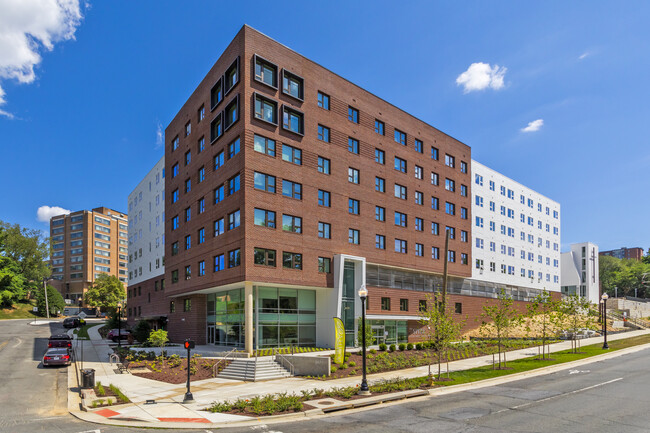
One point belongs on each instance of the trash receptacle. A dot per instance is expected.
(88, 378)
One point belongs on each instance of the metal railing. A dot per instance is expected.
(277, 353)
(215, 367)
(617, 315)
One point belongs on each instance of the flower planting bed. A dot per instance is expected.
(107, 396)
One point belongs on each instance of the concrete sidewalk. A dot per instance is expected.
(170, 409)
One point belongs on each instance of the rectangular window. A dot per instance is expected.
(324, 198)
(435, 228)
(231, 77)
(219, 227)
(435, 179)
(450, 185)
(234, 258)
(463, 236)
(400, 219)
(450, 161)
(292, 85)
(188, 242)
(400, 191)
(175, 195)
(291, 154)
(353, 236)
(201, 205)
(219, 160)
(353, 175)
(233, 184)
(452, 232)
(380, 184)
(291, 189)
(201, 144)
(380, 213)
(419, 250)
(323, 165)
(264, 218)
(450, 208)
(419, 147)
(435, 253)
(400, 164)
(435, 153)
(264, 145)
(418, 172)
(324, 265)
(403, 304)
(201, 268)
(401, 246)
(291, 223)
(266, 109)
(435, 203)
(463, 167)
(380, 156)
(291, 260)
(188, 185)
(216, 94)
(380, 242)
(264, 257)
(293, 120)
(463, 190)
(231, 113)
(324, 230)
(175, 222)
(353, 145)
(323, 101)
(266, 72)
(201, 174)
(188, 157)
(400, 137)
(451, 256)
(353, 114)
(187, 304)
(379, 127)
(219, 194)
(385, 304)
(175, 171)
(219, 263)
(265, 182)
(233, 148)
(233, 220)
(323, 133)
(419, 224)
(353, 206)
(216, 128)
(463, 213)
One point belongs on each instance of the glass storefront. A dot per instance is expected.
(225, 318)
(389, 331)
(347, 303)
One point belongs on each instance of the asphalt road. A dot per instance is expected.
(606, 396)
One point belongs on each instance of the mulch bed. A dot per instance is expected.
(174, 373)
(107, 393)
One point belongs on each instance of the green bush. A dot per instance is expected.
(333, 369)
(402, 346)
(409, 346)
(382, 347)
(141, 331)
(100, 390)
(392, 347)
(373, 351)
(418, 346)
(352, 364)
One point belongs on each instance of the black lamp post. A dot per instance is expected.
(604, 298)
(363, 294)
(119, 325)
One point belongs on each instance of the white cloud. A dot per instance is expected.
(160, 134)
(480, 76)
(28, 27)
(44, 213)
(584, 55)
(533, 126)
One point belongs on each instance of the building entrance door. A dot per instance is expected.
(378, 334)
(211, 334)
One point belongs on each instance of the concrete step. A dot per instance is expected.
(246, 369)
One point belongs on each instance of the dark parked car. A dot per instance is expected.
(57, 356)
(113, 334)
(60, 340)
(71, 322)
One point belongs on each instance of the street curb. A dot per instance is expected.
(360, 404)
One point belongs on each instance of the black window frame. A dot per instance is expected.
(325, 100)
(353, 113)
(234, 65)
(217, 118)
(286, 109)
(269, 257)
(218, 85)
(294, 260)
(291, 75)
(259, 59)
(380, 127)
(293, 151)
(268, 100)
(234, 101)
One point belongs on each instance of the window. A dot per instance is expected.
(400, 219)
(435, 154)
(234, 258)
(380, 156)
(463, 213)
(353, 114)
(188, 214)
(219, 194)
(463, 190)
(187, 304)
(324, 198)
(188, 242)
(324, 265)
(435, 179)
(353, 175)
(219, 227)
(419, 224)
(291, 154)
(435, 253)
(400, 137)
(418, 172)
(419, 198)
(418, 146)
(450, 208)
(450, 161)
(435, 203)
(175, 195)
(201, 174)
(380, 242)
(231, 77)
(233, 184)
(400, 164)
(385, 304)
(463, 236)
(379, 127)
(175, 170)
(463, 167)
(188, 185)
(403, 304)
(452, 232)
(218, 263)
(291, 223)
(264, 145)
(353, 145)
(264, 257)
(216, 128)
(175, 223)
(353, 206)
(380, 184)
(324, 133)
(293, 120)
(323, 165)
(478, 179)
(233, 220)
(292, 85)
(419, 250)
(400, 246)
(231, 113)
(266, 109)
(233, 148)
(451, 256)
(216, 94)
(450, 185)
(174, 248)
(291, 189)
(380, 213)
(219, 160)
(266, 72)
(264, 218)
(291, 260)
(324, 230)
(201, 268)
(188, 157)
(491, 185)
(353, 236)
(323, 101)
(400, 191)
(264, 182)
(435, 228)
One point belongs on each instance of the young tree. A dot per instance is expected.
(54, 301)
(575, 313)
(141, 331)
(106, 292)
(543, 307)
(158, 338)
(370, 338)
(441, 330)
(12, 283)
(503, 319)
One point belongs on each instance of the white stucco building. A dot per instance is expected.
(147, 227)
(580, 271)
(515, 232)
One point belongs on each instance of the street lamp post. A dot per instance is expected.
(604, 298)
(119, 325)
(363, 294)
(47, 305)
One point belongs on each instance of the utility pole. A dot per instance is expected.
(47, 305)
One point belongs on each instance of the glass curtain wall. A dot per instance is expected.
(347, 303)
(394, 331)
(225, 317)
(286, 317)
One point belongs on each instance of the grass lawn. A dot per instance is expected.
(82, 332)
(527, 364)
(21, 310)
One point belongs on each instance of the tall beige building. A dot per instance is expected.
(86, 244)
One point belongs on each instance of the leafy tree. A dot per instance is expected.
(576, 314)
(159, 338)
(370, 338)
(441, 330)
(543, 307)
(503, 318)
(624, 274)
(107, 292)
(12, 282)
(141, 331)
(29, 249)
(54, 301)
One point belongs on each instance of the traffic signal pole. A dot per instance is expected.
(189, 344)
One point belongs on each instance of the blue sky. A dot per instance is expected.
(81, 130)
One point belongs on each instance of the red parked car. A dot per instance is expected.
(57, 356)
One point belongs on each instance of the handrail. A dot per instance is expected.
(277, 353)
(215, 367)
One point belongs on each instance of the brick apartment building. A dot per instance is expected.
(288, 188)
(86, 244)
(625, 253)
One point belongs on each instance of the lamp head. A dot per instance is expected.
(363, 292)
(604, 297)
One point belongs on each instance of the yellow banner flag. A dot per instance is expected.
(339, 341)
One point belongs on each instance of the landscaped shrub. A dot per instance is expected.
(333, 368)
(392, 347)
(352, 364)
(373, 351)
(382, 347)
(409, 346)
(402, 346)
(418, 346)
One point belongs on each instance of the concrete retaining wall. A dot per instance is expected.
(307, 365)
